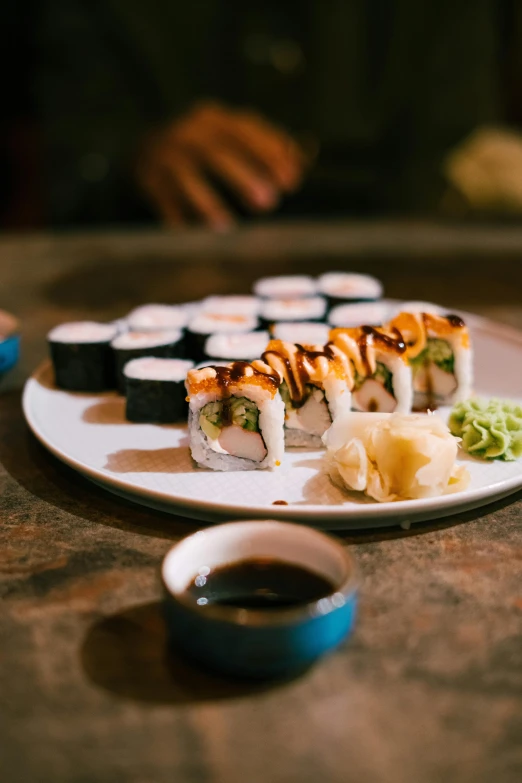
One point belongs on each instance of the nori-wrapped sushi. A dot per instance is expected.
(231, 305)
(302, 332)
(153, 317)
(311, 309)
(155, 390)
(348, 288)
(134, 345)
(368, 313)
(285, 287)
(205, 324)
(243, 347)
(82, 356)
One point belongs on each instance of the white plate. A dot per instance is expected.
(151, 464)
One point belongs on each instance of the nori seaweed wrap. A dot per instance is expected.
(155, 390)
(134, 345)
(82, 356)
(205, 324)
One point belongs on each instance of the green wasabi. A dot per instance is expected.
(491, 429)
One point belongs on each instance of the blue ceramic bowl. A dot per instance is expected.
(273, 642)
(9, 341)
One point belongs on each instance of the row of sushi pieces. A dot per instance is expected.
(243, 414)
(91, 357)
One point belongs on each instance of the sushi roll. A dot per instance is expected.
(439, 351)
(236, 417)
(416, 307)
(285, 287)
(155, 389)
(349, 315)
(348, 288)
(231, 305)
(274, 310)
(191, 308)
(204, 325)
(236, 347)
(302, 332)
(381, 376)
(315, 389)
(153, 317)
(82, 356)
(166, 344)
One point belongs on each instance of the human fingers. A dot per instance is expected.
(159, 191)
(242, 176)
(198, 195)
(270, 147)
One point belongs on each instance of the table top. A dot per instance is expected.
(428, 689)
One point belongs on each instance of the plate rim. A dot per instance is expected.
(356, 515)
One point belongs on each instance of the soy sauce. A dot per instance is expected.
(259, 584)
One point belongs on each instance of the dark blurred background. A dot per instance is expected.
(394, 107)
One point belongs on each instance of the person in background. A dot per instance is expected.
(210, 112)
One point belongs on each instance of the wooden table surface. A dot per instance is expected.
(428, 689)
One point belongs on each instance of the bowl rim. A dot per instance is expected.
(343, 595)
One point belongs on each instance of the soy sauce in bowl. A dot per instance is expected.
(260, 583)
(258, 598)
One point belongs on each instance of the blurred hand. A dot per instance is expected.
(251, 157)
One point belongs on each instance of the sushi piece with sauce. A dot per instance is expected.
(348, 288)
(204, 325)
(167, 344)
(243, 347)
(236, 416)
(302, 332)
(285, 287)
(439, 351)
(153, 317)
(416, 307)
(82, 356)
(381, 378)
(274, 310)
(314, 388)
(155, 389)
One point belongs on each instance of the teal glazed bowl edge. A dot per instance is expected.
(9, 353)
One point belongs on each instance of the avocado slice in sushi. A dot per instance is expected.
(240, 434)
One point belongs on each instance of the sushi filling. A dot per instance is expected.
(311, 416)
(374, 393)
(434, 370)
(232, 427)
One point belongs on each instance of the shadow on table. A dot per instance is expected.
(127, 655)
(314, 491)
(46, 478)
(429, 526)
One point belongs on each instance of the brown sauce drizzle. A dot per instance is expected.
(297, 391)
(394, 343)
(231, 374)
(293, 389)
(456, 321)
(280, 503)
